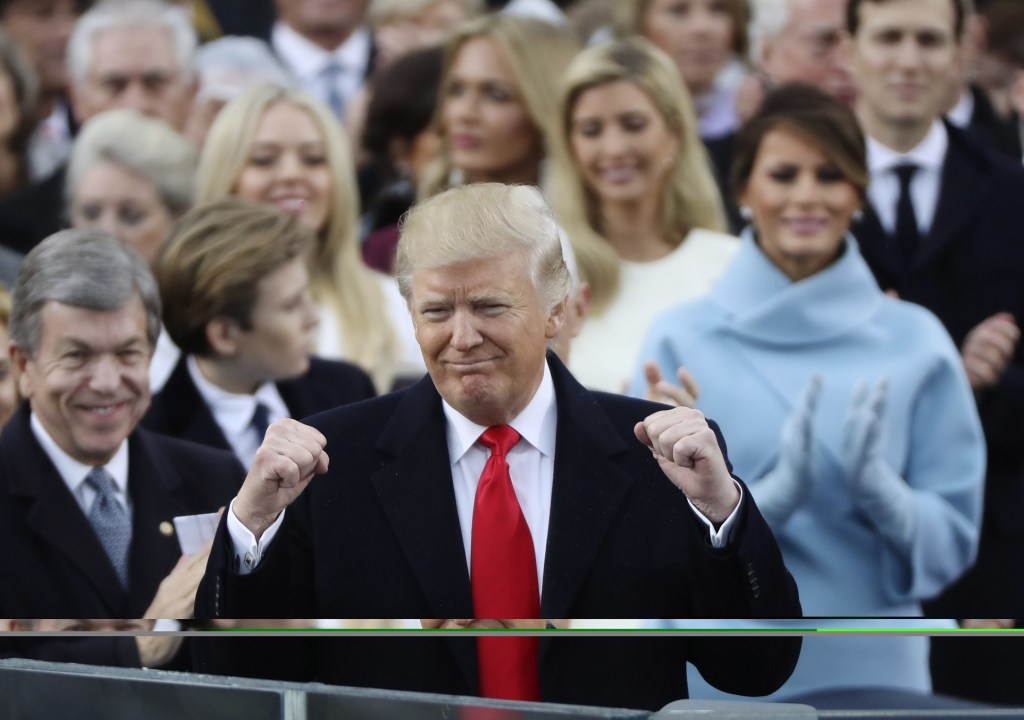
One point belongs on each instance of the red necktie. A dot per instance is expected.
(503, 571)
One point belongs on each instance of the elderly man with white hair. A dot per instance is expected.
(498, 487)
(134, 54)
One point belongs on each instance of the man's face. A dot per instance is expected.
(902, 55)
(89, 380)
(809, 48)
(314, 18)
(41, 29)
(483, 331)
(135, 68)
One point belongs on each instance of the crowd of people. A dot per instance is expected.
(508, 256)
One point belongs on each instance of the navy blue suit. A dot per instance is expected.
(53, 564)
(969, 267)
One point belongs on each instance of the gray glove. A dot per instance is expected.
(875, 488)
(779, 493)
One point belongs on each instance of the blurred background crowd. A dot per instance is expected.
(802, 217)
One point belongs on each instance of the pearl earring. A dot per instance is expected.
(746, 213)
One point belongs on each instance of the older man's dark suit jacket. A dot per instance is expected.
(180, 411)
(53, 564)
(970, 267)
(378, 536)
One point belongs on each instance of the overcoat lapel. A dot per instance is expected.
(955, 205)
(417, 493)
(156, 501)
(55, 516)
(588, 489)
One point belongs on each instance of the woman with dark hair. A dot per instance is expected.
(400, 139)
(873, 488)
(18, 99)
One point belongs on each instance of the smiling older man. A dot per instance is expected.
(87, 499)
(498, 487)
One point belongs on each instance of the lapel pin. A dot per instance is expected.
(166, 529)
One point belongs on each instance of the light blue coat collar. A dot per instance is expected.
(765, 306)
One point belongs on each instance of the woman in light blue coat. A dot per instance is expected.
(848, 412)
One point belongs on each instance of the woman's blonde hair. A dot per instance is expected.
(537, 53)
(689, 198)
(339, 278)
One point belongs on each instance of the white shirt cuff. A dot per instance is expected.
(248, 550)
(720, 537)
(166, 625)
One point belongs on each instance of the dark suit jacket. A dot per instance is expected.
(53, 564)
(991, 130)
(378, 536)
(179, 410)
(970, 267)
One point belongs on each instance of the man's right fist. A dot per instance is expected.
(291, 454)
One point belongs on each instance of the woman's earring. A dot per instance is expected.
(746, 213)
(858, 215)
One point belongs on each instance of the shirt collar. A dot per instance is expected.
(307, 59)
(536, 423)
(234, 411)
(927, 154)
(73, 472)
(963, 111)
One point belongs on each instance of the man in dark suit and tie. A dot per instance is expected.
(944, 228)
(234, 279)
(326, 46)
(87, 500)
(498, 487)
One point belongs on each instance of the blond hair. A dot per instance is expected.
(689, 198)
(537, 53)
(484, 221)
(339, 278)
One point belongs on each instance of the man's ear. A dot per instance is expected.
(222, 335)
(556, 319)
(19, 361)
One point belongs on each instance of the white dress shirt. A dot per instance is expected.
(73, 473)
(531, 468)
(307, 61)
(963, 111)
(233, 412)
(884, 188)
(164, 360)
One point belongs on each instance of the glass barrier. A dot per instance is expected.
(32, 689)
